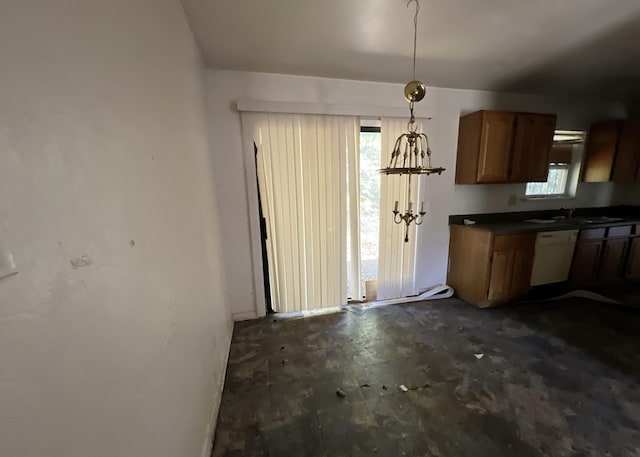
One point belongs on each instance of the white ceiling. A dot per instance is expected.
(531, 46)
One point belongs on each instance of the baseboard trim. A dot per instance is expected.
(245, 316)
(207, 447)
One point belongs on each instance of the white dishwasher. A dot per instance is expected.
(553, 255)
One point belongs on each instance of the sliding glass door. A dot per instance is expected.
(330, 231)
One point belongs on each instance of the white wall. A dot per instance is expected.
(103, 140)
(627, 194)
(442, 196)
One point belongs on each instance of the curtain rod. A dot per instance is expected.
(266, 106)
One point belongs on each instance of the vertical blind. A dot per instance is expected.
(303, 162)
(396, 259)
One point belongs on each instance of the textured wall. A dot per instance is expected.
(114, 333)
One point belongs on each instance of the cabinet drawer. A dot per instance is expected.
(592, 234)
(624, 230)
(518, 240)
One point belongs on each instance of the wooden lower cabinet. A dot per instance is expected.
(486, 269)
(586, 260)
(612, 262)
(502, 266)
(511, 271)
(632, 270)
(605, 255)
(523, 265)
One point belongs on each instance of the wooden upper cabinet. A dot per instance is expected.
(500, 146)
(602, 144)
(495, 147)
(626, 166)
(531, 147)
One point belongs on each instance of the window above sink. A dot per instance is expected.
(564, 167)
(556, 184)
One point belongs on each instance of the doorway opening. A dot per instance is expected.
(369, 199)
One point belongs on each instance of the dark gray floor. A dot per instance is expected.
(559, 379)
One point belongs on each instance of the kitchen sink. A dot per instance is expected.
(589, 220)
(575, 220)
(541, 221)
(601, 220)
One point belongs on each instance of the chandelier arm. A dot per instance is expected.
(396, 152)
(424, 141)
(428, 150)
(409, 194)
(406, 153)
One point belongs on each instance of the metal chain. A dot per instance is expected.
(411, 125)
(415, 34)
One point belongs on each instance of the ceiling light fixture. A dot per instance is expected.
(413, 146)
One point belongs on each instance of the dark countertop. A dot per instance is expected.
(505, 223)
(502, 228)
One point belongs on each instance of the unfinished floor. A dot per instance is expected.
(556, 379)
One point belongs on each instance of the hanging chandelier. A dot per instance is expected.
(411, 153)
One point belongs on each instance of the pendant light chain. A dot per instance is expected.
(412, 146)
(415, 34)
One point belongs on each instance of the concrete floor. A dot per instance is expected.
(559, 379)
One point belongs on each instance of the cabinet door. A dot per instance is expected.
(586, 260)
(500, 282)
(633, 264)
(494, 157)
(627, 162)
(602, 144)
(613, 254)
(531, 148)
(522, 266)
